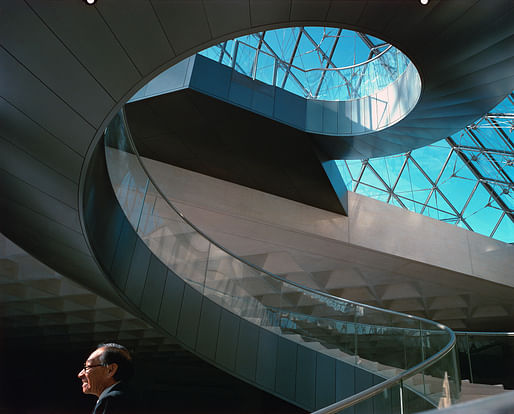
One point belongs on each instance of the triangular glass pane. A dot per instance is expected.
(463, 138)
(508, 198)
(432, 158)
(347, 44)
(505, 231)
(411, 181)
(393, 166)
(455, 188)
(252, 40)
(245, 59)
(456, 168)
(212, 53)
(490, 138)
(281, 74)
(483, 220)
(420, 196)
(354, 166)
(418, 179)
(479, 200)
(499, 159)
(504, 193)
(294, 86)
(481, 162)
(227, 56)
(370, 178)
(439, 208)
(281, 42)
(382, 167)
(404, 185)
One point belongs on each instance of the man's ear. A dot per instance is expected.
(112, 369)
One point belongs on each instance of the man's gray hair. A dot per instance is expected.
(117, 354)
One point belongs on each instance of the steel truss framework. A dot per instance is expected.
(311, 48)
(466, 179)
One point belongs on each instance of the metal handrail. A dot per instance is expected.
(356, 398)
(378, 388)
(464, 333)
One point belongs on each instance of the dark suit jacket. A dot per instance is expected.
(119, 400)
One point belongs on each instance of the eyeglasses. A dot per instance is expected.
(86, 368)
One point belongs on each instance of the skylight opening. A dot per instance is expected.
(322, 63)
(466, 179)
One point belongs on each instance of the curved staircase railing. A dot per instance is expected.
(409, 362)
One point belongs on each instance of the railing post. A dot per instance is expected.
(468, 354)
(422, 355)
(355, 342)
(401, 397)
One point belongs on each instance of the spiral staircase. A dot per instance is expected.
(68, 68)
(307, 347)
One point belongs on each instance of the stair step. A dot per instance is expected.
(390, 372)
(472, 391)
(422, 388)
(369, 365)
(483, 389)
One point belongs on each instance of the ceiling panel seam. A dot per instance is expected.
(250, 12)
(61, 246)
(120, 44)
(71, 52)
(14, 144)
(207, 19)
(162, 28)
(48, 88)
(37, 160)
(39, 190)
(42, 127)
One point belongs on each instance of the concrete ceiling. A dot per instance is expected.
(38, 305)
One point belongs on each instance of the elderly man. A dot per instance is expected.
(105, 374)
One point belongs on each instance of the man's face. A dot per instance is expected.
(95, 377)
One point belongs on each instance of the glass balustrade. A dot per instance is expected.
(487, 357)
(390, 345)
